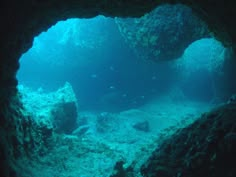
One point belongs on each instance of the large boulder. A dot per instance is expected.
(56, 109)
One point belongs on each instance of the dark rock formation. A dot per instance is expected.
(65, 117)
(22, 20)
(205, 148)
(22, 137)
(164, 33)
(142, 126)
(218, 15)
(119, 170)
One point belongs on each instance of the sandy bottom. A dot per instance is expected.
(108, 138)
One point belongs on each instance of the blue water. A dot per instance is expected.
(105, 73)
(118, 93)
(92, 55)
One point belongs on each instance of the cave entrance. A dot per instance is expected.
(123, 82)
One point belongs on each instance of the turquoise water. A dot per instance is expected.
(106, 74)
(123, 101)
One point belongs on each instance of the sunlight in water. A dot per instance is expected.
(106, 90)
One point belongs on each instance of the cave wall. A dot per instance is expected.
(164, 33)
(22, 20)
(205, 148)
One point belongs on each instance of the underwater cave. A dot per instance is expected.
(148, 92)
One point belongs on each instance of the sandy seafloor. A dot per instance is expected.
(94, 154)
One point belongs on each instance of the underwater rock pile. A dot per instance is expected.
(205, 148)
(164, 33)
(55, 109)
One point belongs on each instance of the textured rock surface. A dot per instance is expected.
(21, 137)
(164, 33)
(205, 148)
(27, 130)
(22, 20)
(56, 109)
(13, 134)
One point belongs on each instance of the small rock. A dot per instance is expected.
(232, 99)
(142, 126)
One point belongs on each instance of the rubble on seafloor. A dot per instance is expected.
(56, 109)
(120, 144)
